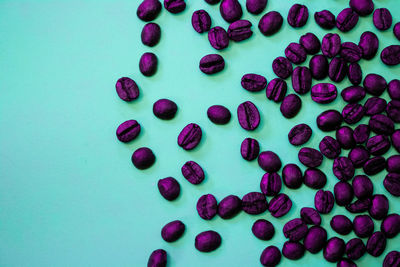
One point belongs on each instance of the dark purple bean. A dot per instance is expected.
(378, 145)
(248, 116)
(280, 205)
(207, 241)
(296, 53)
(353, 113)
(381, 124)
(143, 158)
(329, 120)
(343, 168)
(253, 82)
(315, 239)
(374, 105)
(173, 231)
(269, 161)
(148, 64)
(354, 73)
(263, 229)
(325, 19)
(276, 90)
(382, 19)
(355, 248)
(165, 109)
(363, 226)
(207, 207)
(344, 135)
(346, 20)
(212, 2)
(193, 172)
(229, 206)
(174, 6)
(358, 156)
(341, 224)
(330, 147)
(295, 230)
(374, 84)
(324, 201)
(330, 46)
(310, 216)
(310, 157)
(256, 6)
(270, 23)
(301, 80)
(394, 89)
(211, 64)
(169, 188)
(292, 176)
(379, 207)
(299, 134)
(282, 67)
(359, 206)
(219, 114)
(319, 67)
(393, 110)
(128, 131)
(323, 93)
(337, 69)
(290, 106)
(293, 250)
(297, 16)
(393, 164)
(361, 133)
(148, 10)
(353, 94)
(369, 44)
(376, 244)
(391, 55)
(314, 178)
(392, 259)
(190, 136)
(343, 193)
(395, 139)
(218, 38)
(151, 34)
(392, 184)
(362, 7)
(240, 30)
(254, 203)
(158, 258)
(201, 21)
(362, 186)
(374, 165)
(390, 226)
(230, 10)
(350, 52)
(271, 256)
(396, 30)
(334, 249)
(310, 42)
(250, 148)
(346, 263)
(271, 184)
(127, 89)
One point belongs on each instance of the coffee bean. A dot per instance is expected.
(341, 224)
(358, 156)
(369, 44)
(301, 80)
(280, 205)
(293, 250)
(290, 106)
(362, 7)
(396, 30)
(390, 226)
(229, 207)
(253, 82)
(343, 193)
(256, 6)
(375, 84)
(334, 249)
(174, 6)
(382, 19)
(127, 89)
(362, 186)
(169, 188)
(218, 38)
(282, 67)
(393, 110)
(392, 184)
(337, 69)
(394, 89)
(343, 168)
(148, 64)
(353, 113)
(207, 241)
(270, 23)
(248, 116)
(219, 114)
(263, 229)
(295, 230)
(158, 258)
(346, 20)
(299, 134)
(271, 256)
(271, 184)
(128, 131)
(378, 145)
(323, 93)
(314, 178)
(310, 42)
(330, 147)
(207, 207)
(254, 203)
(212, 2)
(350, 52)
(315, 239)
(201, 21)
(329, 120)
(392, 259)
(269, 161)
(361, 133)
(310, 216)
(151, 34)
(376, 244)
(324, 201)
(379, 207)
(344, 135)
(374, 105)
(292, 176)
(395, 139)
(310, 157)
(391, 55)
(296, 53)
(297, 16)
(211, 64)
(190, 136)
(359, 206)
(346, 263)
(325, 19)
(393, 164)
(250, 148)
(363, 226)
(354, 73)
(148, 10)
(355, 248)
(193, 172)
(173, 231)
(165, 109)
(374, 165)
(230, 10)
(240, 30)
(381, 124)
(353, 94)
(143, 158)
(276, 90)
(319, 67)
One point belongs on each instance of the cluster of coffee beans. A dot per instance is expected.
(337, 61)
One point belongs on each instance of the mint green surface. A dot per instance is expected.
(69, 194)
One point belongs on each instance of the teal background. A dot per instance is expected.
(69, 194)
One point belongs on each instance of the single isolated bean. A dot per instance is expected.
(295, 230)
(193, 172)
(253, 82)
(148, 10)
(376, 244)
(148, 64)
(324, 201)
(282, 67)
(355, 248)
(369, 44)
(310, 157)
(362, 186)
(346, 20)
(310, 42)
(329, 120)
(325, 19)
(169, 188)
(354, 73)
(248, 116)
(292, 176)
(128, 131)
(230, 10)
(240, 30)
(391, 55)
(290, 106)
(158, 258)
(211, 64)
(314, 178)
(271, 256)
(323, 93)
(276, 90)
(269, 161)
(301, 80)
(254, 203)
(229, 207)
(280, 205)
(174, 6)
(310, 216)
(201, 21)
(299, 134)
(382, 19)
(362, 7)
(353, 94)
(218, 38)
(270, 23)
(256, 6)
(250, 149)
(263, 229)
(334, 249)
(127, 89)
(330, 147)
(173, 231)
(207, 241)
(319, 67)
(394, 89)
(207, 207)
(165, 109)
(341, 224)
(219, 114)
(151, 34)
(271, 184)
(293, 250)
(296, 53)
(190, 136)
(390, 226)
(143, 158)
(297, 16)
(374, 84)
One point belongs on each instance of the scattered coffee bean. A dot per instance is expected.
(378, 145)
(229, 206)
(354, 73)
(350, 52)
(148, 10)
(315, 239)
(375, 84)
(280, 205)
(341, 224)
(391, 55)
(269, 161)
(295, 230)
(230, 10)
(319, 67)
(254, 203)
(282, 67)
(270, 23)
(393, 164)
(358, 156)
(379, 207)
(329, 120)
(158, 258)
(256, 6)
(353, 113)
(337, 69)
(248, 116)
(325, 19)
(193, 172)
(359, 206)
(301, 80)
(207, 207)
(253, 82)
(345, 263)
(376, 244)
(212, 2)
(314, 178)
(271, 184)
(293, 250)
(127, 89)
(324, 201)
(250, 148)
(393, 110)
(310, 157)
(361, 133)
(395, 139)
(394, 89)
(128, 131)
(143, 158)
(290, 106)
(292, 176)
(382, 19)
(369, 44)
(276, 90)
(240, 30)
(169, 188)
(334, 249)
(299, 134)
(392, 184)
(201, 21)
(310, 42)
(151, 34)
(396, 30)
(353, 94)
(392, 259)
(207, 241)
(374, 165)
(343, 193)
(362, 186)
(330, 147)
(323, 93)
(174, 6)
(296, 53)
(363, 226)
(263, 229)
(343, 168)
(148, 64)
(211, 64)
(344, 135)
(190, 136)
(298, 15)
(218, 38)
(390, 226)
(271, 256)
(355, 248)
(173, 231)
(381, 124)
(165, 109)
(374, 105)
(346, 20)
(362, 7)
(310, 216)
(219, 114)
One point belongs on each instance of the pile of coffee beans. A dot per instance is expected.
(364, 144)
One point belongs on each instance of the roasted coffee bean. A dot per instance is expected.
(379, 207)
(173, 231)
(353, 113)
(392, 259)
(310, 216)
(376, 244)
(165, 109)
(143, 158)
(325, 19)
(391, 55)
(127, 89)
(369, 44)
(346, 263)
(240, 30)
(363, 226)
(270, 23)
(393, 110)
(396, 30)
(362, 186)
(343, 168)
(211, 64)
(297, 16)
(381, 124)
(148, 64)
(218, 38)
(250, 148)
(290, 106)
(334, 249)
(374, 105)
(292, 176)
(378, 145)
(382, 19)
(207, 207)
(341, 224)
(229, 206)
(361, 133)
(293, 250)
(354, 73)
(319, 67)
(282, 67)
(314, 178)
(330, 147)
(169, 188)
(253, 82)
(158, 258)
(207, 241)
(299, 134)
(343, 193)
(271, 256)
(324, 201)
(329, 120)
(392, 184)
(212, 2)
(256, 6)
(128, 131)
(280, 205)
(315, 239)
(301, 80)
(395, 139)
(310, 157)
(276, 90)
(248, 116)
(254, 203)
(350, 52)
(296, 53)
(390, 226)
(358, 156)
(151, 34)
(362, 7)
(394, 89)
(271, 184)
(174, 6)
(359, 206)
(337, 69)
(295, 230)
(219, 114)
(148, 10)
(263, 229)
(344, 135)
(193, 172)
(374, 165)
(323, 93)
(230, 10)
(393, 164)
(310, 42)
(269, 161)
(190, 136)
(355, 248)
(201, 21)
(375, 84)
(353, 94)
(346, 20)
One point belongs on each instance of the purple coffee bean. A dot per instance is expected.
(296, 53)
(276, 90)
(315, 239)
(207, 241)
(350, 52)
(143, 158)
(355, 248)
(324, 201)
(250, 148)
(379, 207)
(229, 206)
(353, 94)
(396, 30)
(293, 250)
(363, 226)
(393, 164)
(193, 172)
(337, 69)
(173, 231)
(218, 38)
(201, 21)
(263, 229)
(282, 67)
(310, 216)
(310, 42)
(310, 157)
(344, 135)
(212, 2)
(346, 20)
(391, 55)
(392, 259)
(362, 7)
(230, 10)
(256, 6)
(127, 89)
(165, 109)
(359, 206)
(343, 193)
(341, 224)
(392, 184)
(290, 106)
(378, 145)
(174, 6)
(190, 136)
(374, 165)
(343, 168)
(362, 186)
(301, 80)
(358, 156)
(148, 64)
(151, 34)
(299, 134)
(323, 93)
(269, 161)
(325, 19)
(346, 263)
(219, 114)
(158, 258)
(295, 230)
(297, 16)
(207, 207)
(382, 19)
(329, 120)
(240, 30)
(354, 73)
(270, 23)
(393, 110)
(271, 256)
(169, 188)
(374, 105)
(361, 133)
(253, 82)
(353, 113)
(395, 139)
(390, 226)
(376, 244)
(369, 44)
(381, 124)
(148, 10)
(334, 249)
(394, 89)
(292, 176)
(248, 116)
(254, 203)
(319, 67)
(280, 205)
(211, 64)
(128, 131)
(374, 84)
(314, 178)
(330, 147)
(271, 184)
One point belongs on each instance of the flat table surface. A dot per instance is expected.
(69, 194)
